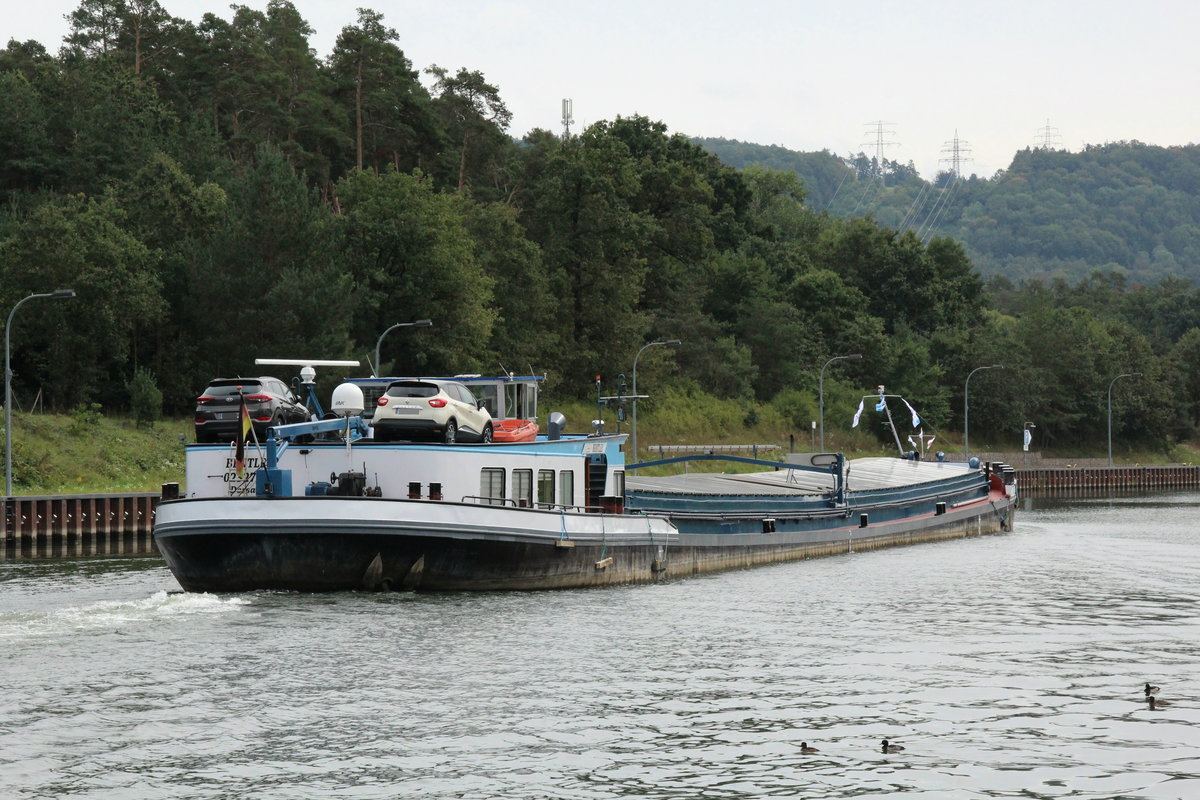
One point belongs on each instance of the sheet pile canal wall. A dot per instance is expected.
(1103, 481)
(70, 526)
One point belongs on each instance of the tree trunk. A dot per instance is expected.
(462, 163)
(358, 122)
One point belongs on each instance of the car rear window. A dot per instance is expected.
(231, 387)
(413, 389)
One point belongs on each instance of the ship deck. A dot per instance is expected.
(862, 474)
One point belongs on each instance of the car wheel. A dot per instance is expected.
(487, 433)
(451, 432)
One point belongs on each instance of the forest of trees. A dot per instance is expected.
(216, 192)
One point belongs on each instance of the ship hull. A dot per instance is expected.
(320, 544)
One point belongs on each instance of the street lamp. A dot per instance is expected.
(966, 407)
(421, 323)
(635, 360)
(1110, 385)
(60, 293)
(821, 394)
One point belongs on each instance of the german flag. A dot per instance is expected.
(239, 458)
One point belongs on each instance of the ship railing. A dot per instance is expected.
(484, 500)
(510, 502)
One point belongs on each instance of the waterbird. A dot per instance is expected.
(804, 748)
(1156, 704)
(1150, 689)
(891, 748)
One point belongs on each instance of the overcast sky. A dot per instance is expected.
(804, 75)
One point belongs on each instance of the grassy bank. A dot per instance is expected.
(88, 453)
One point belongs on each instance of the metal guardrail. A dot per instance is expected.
(663, 449)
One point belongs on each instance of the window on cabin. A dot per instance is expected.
(487, 394)
(566, 488)
(619, 483)
(491, 485)
(545, 488)
(523, 487)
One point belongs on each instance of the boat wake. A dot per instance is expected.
(112, 615)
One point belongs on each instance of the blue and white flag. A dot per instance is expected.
(916, 418)
(857, 414)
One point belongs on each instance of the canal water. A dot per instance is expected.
(1007, 666)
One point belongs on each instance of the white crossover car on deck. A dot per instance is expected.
(427, 409)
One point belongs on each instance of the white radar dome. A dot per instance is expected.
(347, 400)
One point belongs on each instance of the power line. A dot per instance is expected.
(915, 208)
(845, 175)
(944, 201)
(868, 186)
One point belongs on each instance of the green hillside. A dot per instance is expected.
(1128, 208)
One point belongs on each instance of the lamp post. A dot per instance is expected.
(635, 360)
(421, 323)
(966, 407)
(821, 393)
(1110, 385)
(60, 293)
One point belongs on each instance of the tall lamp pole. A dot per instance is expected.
(60, 293)
(821, 393)
(421, 323)
(635, 360)
(1110, 385)
(966, 407)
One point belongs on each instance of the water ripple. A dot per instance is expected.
(1008, 666)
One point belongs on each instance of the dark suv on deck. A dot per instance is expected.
(269, 401)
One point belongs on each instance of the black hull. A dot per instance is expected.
(329, 560)
(308, 562)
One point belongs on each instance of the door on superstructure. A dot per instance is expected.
(597, 479)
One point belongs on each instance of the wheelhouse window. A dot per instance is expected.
(566, 487)
(619, 483)
(523, 487)
(545, 488)
(487, 394)
(491, 485)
